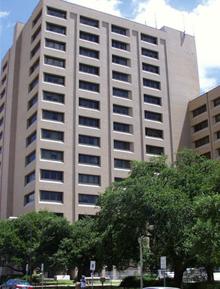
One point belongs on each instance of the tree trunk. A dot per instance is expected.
(210, 274)
(178, 274)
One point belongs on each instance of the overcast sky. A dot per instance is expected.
(197, 17)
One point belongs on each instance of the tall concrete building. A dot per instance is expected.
(83, 94)
(204, 112)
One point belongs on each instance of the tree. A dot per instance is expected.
(81, 246)
(159, 201)
(33, 239)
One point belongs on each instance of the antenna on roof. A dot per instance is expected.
(184, 26)
(155, 20)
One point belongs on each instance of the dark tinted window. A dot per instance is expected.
(89, 159)
(89, 179)
(89, 121)
(89, 52)
(89, 140)
(148, 38)
(120, 92)
(56, 12)
(202, 141)
(53, 96)
(199, 110)
(52, 135)
(89, 21)
(152, 99)
(152, 132)
(150, 68)
(150, 115)
(89, 36)
(52, 155)
(54, 61)
(120, 60)
(149, 53)
(51, 175)
(151, 83)
(53, 115)
(56, 28)
(89, 103)
(89, 69)
(154, 150)
(51, 196)
(88, 199)
(120, 76)
(119, 45)
(122, 145)
(119, 30)
(123, 127)
(31, 138)
(121, 109)
(56, 79)
(54, 44)
(30, 158)
(200, 126)
(91, 86)
(122, 164)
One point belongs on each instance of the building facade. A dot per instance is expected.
(204, 113)
(83, 94)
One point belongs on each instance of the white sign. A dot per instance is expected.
(92, 265)
(163, 262)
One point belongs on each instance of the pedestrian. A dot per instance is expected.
(83, 282)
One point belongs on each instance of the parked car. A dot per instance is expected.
(16, 284)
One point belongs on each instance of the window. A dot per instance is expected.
(59, 62)
(218, 134)
(152, 99)
(89, 36)
(88, 103)
(119, 30)
(29, 178)
(51, 196)
(1, 135)
(122, 127)
(89, 52)
(89, 69)
(3, 93)
(207, 155)
(2, 107)
(31, 119)
(199, 110)
(89, 140)
(33, 83)
(150, 68)
(1, 121)
(55, 79)
(154, 150)
(117, 179)
(151, 83)
(29, 198)
(89, 160)
(88, 199)
(30, 158)
(56, 12)
(200, 125)
(4, 79)
(122, 145)
(54, 44)
(155, 116)
(53, 115)
(202, 141)
(32, 101)
(148, 38)
(52, 135)
(51, 175)
(89, 21)
(53, 96)
(118, 92)
(120, 60)
(34, 22)
(120, 76)
(56, 28)
(36, 33)
(35, 49)
(34, 66)
(52, 155)
(216, 101)
(31, 138)
(149, 53)
(121, 109)
(152, 132)
(122, 164)
(4, 66)
(120, 45)
(89, 121)
(89, 179)
(217, 118)
(91, 86)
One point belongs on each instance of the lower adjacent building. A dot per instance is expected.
(83, 94)
(204, 113)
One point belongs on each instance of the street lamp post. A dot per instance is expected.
(140, 239)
